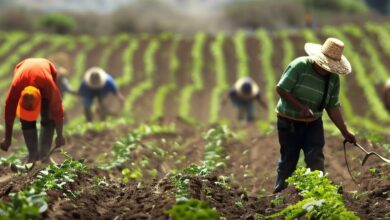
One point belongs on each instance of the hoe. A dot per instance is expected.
(368, 154)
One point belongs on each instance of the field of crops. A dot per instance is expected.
(174, 147)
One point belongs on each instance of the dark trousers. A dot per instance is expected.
(45, 119)
(245, 108)
(294, 136)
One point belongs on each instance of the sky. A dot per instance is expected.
(190, 7)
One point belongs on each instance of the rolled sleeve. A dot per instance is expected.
(289, 78)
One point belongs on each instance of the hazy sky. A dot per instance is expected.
(104, 6)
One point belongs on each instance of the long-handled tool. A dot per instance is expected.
(368, 154)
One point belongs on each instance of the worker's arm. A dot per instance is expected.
(6, 142)
(120, 96)
(60, 140)
(261, 101)
(306, 111)
(337, 118)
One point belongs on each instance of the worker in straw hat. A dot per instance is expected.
(386, 95)
(309, 85)
(34, 92)
(97, 84)
(243, 94)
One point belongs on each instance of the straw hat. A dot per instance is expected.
(29, 105)
(95, 77)
(246, 82)
(329, 56)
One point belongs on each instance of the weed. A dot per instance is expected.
(239, 204)
(277, 201)
(192, 209)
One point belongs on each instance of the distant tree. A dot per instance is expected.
(350, 6)
(270, 14)
(382, 6)
(57, 23)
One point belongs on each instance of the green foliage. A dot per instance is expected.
(278, 200)
(196, 76)
(212, 159)
(150, 68)
(192, 209)
(269, 74)
(30, 202)
(14, 158)
(241, 54)
(320, 198)
(349, 6)
(57, 23)
(221, 81)
(123, 147)
(57, 176)
(131, 174)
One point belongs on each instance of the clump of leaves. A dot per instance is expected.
(278, 200)
(321, 199)
(131, 174)
(123, 147)
(31, 200)
(15, 158)
(192, 209)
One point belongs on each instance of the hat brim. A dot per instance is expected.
(103, 76)
(240, 82)
(26, 114)
(341, 67)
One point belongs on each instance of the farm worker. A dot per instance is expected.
(34, 91)
(61, 62)
(386, 95)
(97, 84)
(242, 95)
(309, 85)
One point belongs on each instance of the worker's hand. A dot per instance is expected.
(5, 144)
(307, 112)
(60, 141)
(120, 97)
(349, 137)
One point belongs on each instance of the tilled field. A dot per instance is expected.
(250, 160)
(250, 166)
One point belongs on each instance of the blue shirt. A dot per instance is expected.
(90, 93)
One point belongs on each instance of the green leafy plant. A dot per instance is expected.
(123, 147)
(192, 209)
(278, 200)
(30, 202)
(321, 199)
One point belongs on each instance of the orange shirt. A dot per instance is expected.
(40, 73)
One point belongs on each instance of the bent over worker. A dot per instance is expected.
(97, 84)
(309, 85)
(34, 92)
(243, 94)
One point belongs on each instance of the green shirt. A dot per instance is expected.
(301, 80)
